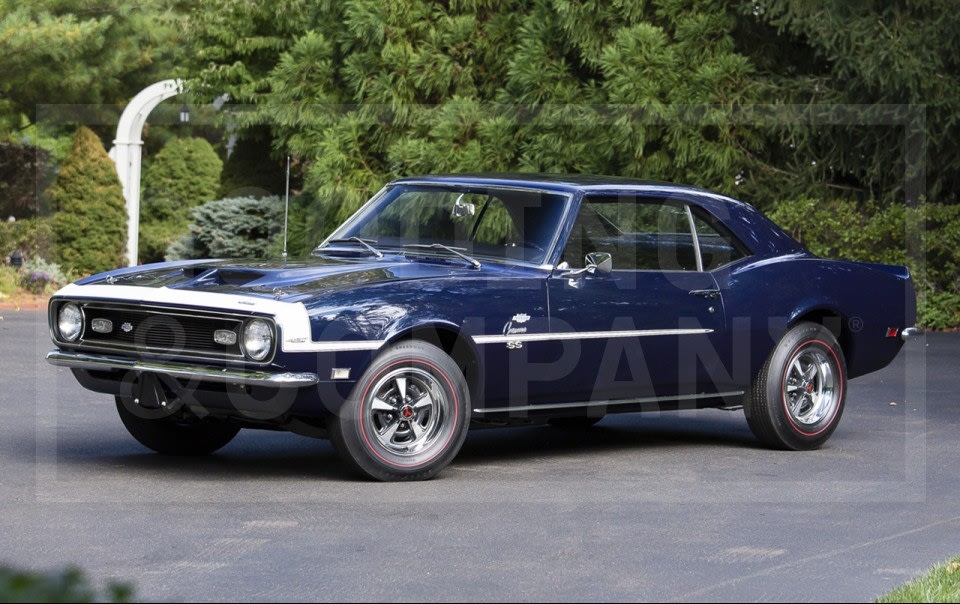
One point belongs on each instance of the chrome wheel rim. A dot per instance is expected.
(406, 411)
(810, 390)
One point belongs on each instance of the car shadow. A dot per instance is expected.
(255, 454)
(626, 432)
(250, 455)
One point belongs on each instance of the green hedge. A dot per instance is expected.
(925, 238)
(60, 586)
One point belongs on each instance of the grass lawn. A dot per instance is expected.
(941, 584)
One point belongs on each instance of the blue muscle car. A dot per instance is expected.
(451, 301)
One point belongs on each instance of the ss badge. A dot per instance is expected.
(514, 344)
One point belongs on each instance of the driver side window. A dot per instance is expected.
(640, 234)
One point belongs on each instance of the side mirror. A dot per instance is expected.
(598, 262)
(595, 262)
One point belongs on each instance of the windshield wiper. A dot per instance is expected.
(364, 242)
(458, 251)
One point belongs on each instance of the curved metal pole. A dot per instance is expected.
(126, 153)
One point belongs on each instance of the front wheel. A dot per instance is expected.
(170, 436)
(407, 416)
(798, 397)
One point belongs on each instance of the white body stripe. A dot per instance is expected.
(585, 335)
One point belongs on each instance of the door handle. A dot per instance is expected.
(709, 294)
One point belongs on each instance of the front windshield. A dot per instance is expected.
(492, 223)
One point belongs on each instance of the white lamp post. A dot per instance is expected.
(126, 153)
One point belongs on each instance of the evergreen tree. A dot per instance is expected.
(236, 227)
(363, 91)
(82, 51)
(895, 63)
(250, 171)
(90, 223)
(694, 92)
(184, 174)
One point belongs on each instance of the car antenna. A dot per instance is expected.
(286, 214)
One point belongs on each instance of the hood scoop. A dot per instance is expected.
(210, 275)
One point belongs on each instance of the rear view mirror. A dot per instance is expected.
(462, 208)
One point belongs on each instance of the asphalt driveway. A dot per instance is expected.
(671, 506)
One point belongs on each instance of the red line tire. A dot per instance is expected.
(407, 417)
(798, 397)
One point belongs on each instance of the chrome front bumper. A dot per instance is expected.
(911, 332)
(78, 360)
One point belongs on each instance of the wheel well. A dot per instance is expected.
(458, 347)
(835, 322)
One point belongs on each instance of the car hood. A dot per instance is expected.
(292, 281)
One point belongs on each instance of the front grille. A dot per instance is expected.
(161, 331)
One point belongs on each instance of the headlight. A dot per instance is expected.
(69, 322)
(257, 339)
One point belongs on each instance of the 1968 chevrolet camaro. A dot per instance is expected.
(451, 301)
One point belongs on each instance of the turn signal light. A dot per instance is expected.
(225, 337)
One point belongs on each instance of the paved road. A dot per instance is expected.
(655, 507)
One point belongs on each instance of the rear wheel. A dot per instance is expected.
(171, 436)
(798, 397)
(407, 416)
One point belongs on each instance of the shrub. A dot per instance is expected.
(36, 282)
(90, 224)
(844, 229)
(184, 174)
(38, 276)
(63, 586)
(56, 274)
(236, 227)
(32, 236)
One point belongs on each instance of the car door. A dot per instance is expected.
(647, 329)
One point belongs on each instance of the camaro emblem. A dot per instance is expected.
(127, 327)
(512, 326)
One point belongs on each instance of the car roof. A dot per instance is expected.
(569, 183)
